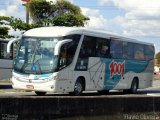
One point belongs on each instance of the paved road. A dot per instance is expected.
(5, 90)
(5, 86)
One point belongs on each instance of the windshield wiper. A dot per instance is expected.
(38, 66)
(24, 66)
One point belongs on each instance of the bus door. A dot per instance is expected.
(67, 53)
(86, 61)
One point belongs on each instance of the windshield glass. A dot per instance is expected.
(36, 55)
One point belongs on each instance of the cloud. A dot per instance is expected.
(2, 12)
(96, 19)
(9, 10)
(105, 2)
(13, 8)
(16, 33)
(141, 17)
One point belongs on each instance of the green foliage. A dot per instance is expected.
(4, 32)
(69, 20)
(39, 10)
(64, 7)
(16, 24)
(60, 13)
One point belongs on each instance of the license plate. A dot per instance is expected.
(30, 86)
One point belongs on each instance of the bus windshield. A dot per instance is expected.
(36, 55)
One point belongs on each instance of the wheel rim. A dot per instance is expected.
(78, 87)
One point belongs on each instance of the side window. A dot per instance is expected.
(68, 51)
(88, 47)
(3, 51)
(149, 52)
(75, 38)
(128, 50)
(72, 47)
(139, 52)
(103, 48)
(63, 56)
(116, 49)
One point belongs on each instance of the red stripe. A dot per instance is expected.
(25, 0)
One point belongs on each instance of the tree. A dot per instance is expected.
(4, 32)
(60, 13)
(17, 24)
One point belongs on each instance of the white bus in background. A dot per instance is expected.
(73, 60)
(6, 61)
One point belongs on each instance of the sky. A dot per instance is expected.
(137, 19)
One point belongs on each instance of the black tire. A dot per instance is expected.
(134, 86)
(40, 93)
(103, 92)
(78, 88)
(126, 91)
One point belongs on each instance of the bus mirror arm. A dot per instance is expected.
(9, 45)
(59, 45)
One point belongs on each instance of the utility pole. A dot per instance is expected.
(27, 13)
(27, 10)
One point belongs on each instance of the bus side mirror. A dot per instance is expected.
(59, 45)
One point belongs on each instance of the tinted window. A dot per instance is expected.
(149, 52)
(88, 47)
(139, 52)
(102, 48)
(68, 51)
(3, 51)
(116, 49)
(128, 50)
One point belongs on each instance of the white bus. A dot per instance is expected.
(73, 60)
(6, 61)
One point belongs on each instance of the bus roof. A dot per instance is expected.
(63, 31)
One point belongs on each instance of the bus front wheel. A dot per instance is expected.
(78, 88)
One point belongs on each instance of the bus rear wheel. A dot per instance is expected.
(103, 92)
(134, 86)
(40, 93)
(78, 88)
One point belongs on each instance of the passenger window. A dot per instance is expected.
(149, 52)
(116, 49)
(88, 47)
(128, 50)
(103, 48)
(3, 51)
(139, 52)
